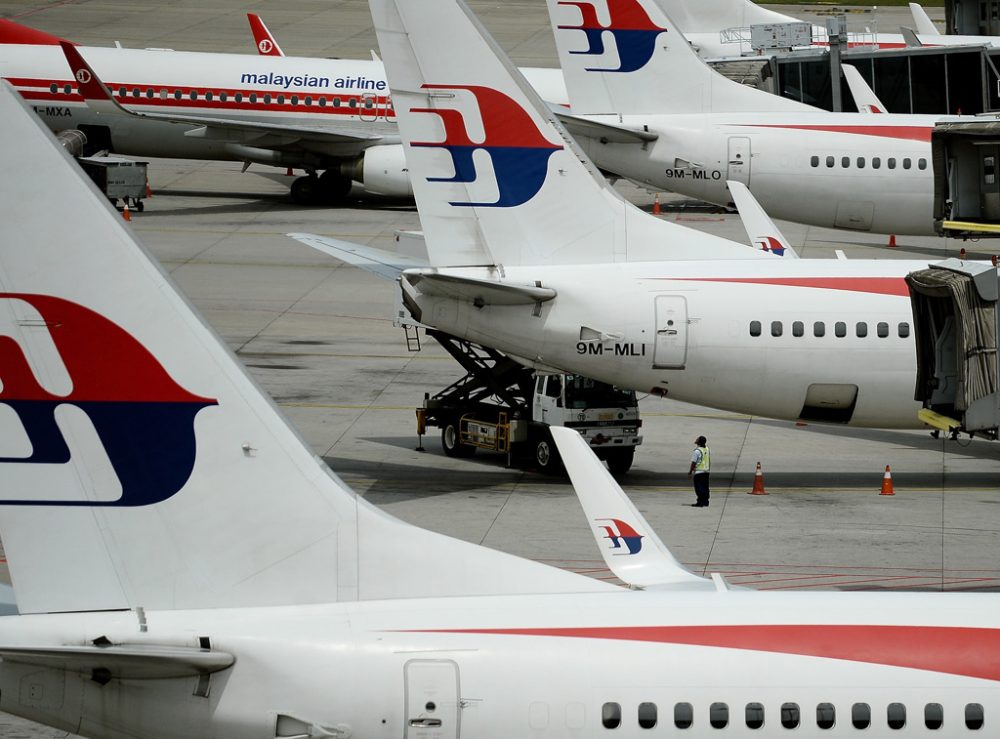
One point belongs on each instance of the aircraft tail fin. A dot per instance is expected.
(629, 57)
(925, 26)
(713, 16)
(864, 96)
(497, 179)
(141, 465)
(761, 230)
(15, 33)
(267, 44)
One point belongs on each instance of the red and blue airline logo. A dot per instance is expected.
(144, 419)
(771, 244)
(517, 148)
(621, 535)
(634, 33)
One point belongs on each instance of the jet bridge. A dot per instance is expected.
(955, 320)
(966, 159)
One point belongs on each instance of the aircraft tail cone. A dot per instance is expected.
(125, 213)
(758, 482)
(892, 241)
(887, 482)
(656, 204)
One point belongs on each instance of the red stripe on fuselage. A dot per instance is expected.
(876, 285)
(909, 133)
(970, 652)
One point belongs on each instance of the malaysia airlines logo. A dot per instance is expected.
(631, 28)
(83, 76)
(265, 46)
(144, 419)
(621, 535)
(771, 244)
(514, 143)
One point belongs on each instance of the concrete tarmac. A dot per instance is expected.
(317, 335)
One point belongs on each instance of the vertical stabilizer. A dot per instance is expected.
(140, 464)
(628, 57)
(497, 179)
(713, 16)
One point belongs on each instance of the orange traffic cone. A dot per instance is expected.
(892, 241)
(887, 482)
(149, 191)
(656, 204)
(289, 172)
(758, 482)
(962, 253)
(125, 214)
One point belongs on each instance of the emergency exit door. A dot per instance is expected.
(431, 695)
(670, 350)
(739, 160)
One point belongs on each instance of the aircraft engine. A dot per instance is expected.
(382, 171)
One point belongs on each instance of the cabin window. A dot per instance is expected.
(163, 93)
(891, 162)
(845, 162)
(933, 716)
(178, 94)
(336, 102)
(907, 163)
(369, 103)
(974, 716)
(895, 715)
(776, 328)
(683, 715)
(831, 161)
(267, 99)
(68, 89)
(840, 329)
(921, 163)
(883, 330)
(222, 97)
(253, 97)
(718, 715)
(281, 100)
(209, 95)
(798, 328)
(813, 161)
(755, 328)
(861, 162)
(135, 92)
(54, 88)
(352, 103)
(861, 329)
(647, 715)
(294, 100)
(193, 94)
(904, 330)
(826, 716)
(611, 715)
(861, 716)
(819, 328)
(238, 97)
(755, 715)
(322, 102)
(790, 715)
(876, 162)
(308, 100)
(149, 92)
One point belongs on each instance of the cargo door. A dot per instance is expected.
(739, 159)
(671, 332)
(432, 705)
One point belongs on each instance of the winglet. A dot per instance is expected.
(95, 93)
(630, 547)
(761, 230)
(267, 45)
(864, 96)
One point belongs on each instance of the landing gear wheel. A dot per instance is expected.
(620, 460)
(306, 190)
(451, 442)
(547, 456)
(335, 188)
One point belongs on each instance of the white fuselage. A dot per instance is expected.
(685, 329)
(539, 666)
(837, 170)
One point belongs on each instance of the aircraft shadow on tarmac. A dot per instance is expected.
(271, 202)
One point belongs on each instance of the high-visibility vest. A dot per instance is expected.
(703, 461)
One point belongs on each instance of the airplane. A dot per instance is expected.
(651, 111)
(166, 590)
(532, 253)
(330, 117)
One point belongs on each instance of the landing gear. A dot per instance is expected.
(335, 187)
(327, 189)
(306, 190)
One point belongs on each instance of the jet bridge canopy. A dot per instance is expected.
(955, 328)
(966, 159)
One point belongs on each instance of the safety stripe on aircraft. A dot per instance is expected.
(910, 133)
(876, 285)
(970, 652)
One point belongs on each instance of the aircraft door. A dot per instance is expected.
(369, 107)
(739, 159)
(432, 702)
(671, 332)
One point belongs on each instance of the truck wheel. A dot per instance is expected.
(620, 460)
(547, 456)
(451, 441)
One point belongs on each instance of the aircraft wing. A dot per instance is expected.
(123, 662)
(477, 291)
(761, 230)
(100, 99)
(385, 264)
(593, 129)
(630, 547)
(864, 96)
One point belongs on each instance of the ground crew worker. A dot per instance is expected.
(700, 465)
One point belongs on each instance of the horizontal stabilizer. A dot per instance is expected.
(910, 38)
(385, 264)
(606, 132)
(761, 230)
(631, 549)
(476, 291)
(123, 662)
